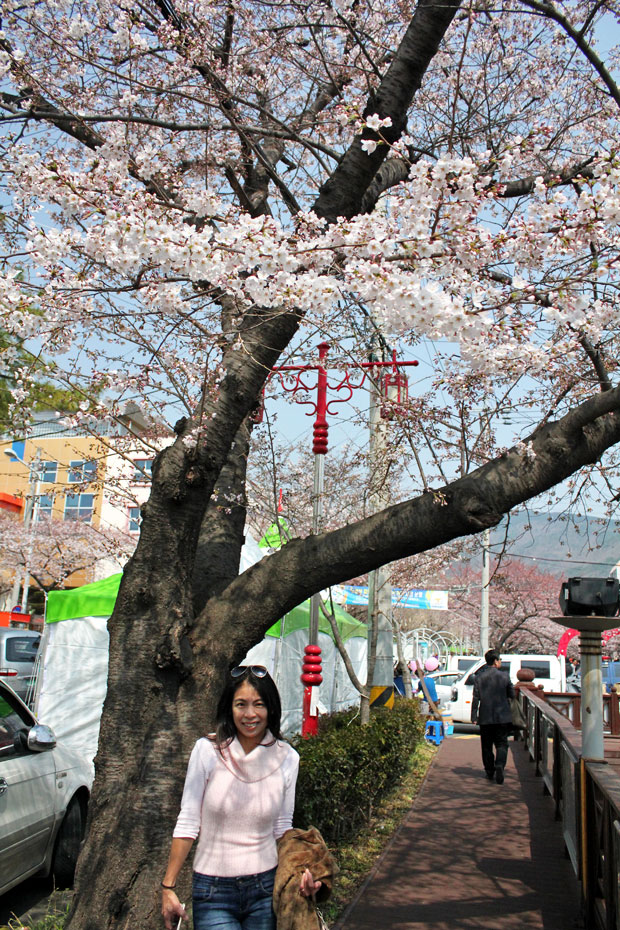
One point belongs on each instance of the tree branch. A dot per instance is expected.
(343, 192)
(464, 507)
(551, 12)
(340, 646)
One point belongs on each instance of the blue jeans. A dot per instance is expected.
(242, 903)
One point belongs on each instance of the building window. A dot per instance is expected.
(79, 507)
(82, 471)
(49, 471)
(134, 520)
(143, 469)
(44, 510)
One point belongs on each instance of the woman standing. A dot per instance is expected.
(238, 800)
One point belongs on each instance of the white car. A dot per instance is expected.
(444, 682)
(44, 792)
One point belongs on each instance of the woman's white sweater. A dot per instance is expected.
(238, 805)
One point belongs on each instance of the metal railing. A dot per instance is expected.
(586, 795)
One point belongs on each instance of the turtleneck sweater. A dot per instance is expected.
(238, 805)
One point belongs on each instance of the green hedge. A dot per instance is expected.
(347, 768)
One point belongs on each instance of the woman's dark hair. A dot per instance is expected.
(225, 729)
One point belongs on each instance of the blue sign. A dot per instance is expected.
(419, 598)
(18, 447)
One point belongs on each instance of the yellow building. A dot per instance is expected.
(57, 471)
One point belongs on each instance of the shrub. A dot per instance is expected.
(347, 768)
(53, 920)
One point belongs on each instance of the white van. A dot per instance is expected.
(550, 672)
(461, 664)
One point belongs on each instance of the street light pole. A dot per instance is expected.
(319, 448)
(31, 512)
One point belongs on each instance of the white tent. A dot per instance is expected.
(282, 650)
(72, 675)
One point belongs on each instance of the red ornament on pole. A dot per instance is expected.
(310, 676)
(394, 391)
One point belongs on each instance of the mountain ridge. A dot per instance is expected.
(559, 545)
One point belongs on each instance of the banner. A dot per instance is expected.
(419, 598)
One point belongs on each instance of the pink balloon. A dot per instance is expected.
(431, 664)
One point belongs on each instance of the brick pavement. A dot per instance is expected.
(473, 855)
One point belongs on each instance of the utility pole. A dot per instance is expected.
(484, 596)
(380, 630)
(31, 513)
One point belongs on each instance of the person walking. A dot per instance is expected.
(238, 800)
(490, 709)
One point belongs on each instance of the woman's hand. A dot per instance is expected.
(171, 909)
(308, 886)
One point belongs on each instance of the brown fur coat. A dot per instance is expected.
(299, 850)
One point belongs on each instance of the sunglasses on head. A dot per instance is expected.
(259, 671)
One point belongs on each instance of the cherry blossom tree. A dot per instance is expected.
(53, 550)
(195, 190)
(522, 600)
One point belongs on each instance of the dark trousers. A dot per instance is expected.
(494, 736)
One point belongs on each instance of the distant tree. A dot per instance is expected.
(28, 376)
(54, 550)
(521, 601)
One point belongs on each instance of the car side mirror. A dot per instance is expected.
(40, 738)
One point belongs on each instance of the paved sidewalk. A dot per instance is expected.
(473, 855)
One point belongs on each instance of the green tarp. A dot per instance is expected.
(90, 600)
(276, 536)
(98, 599)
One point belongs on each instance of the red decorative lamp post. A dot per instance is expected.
(291, 378)
(310, 676)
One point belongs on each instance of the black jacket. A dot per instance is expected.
(492, 689)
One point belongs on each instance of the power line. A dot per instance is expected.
(535, 558)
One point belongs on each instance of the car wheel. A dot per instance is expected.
(67, 846)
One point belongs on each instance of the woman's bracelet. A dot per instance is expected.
(168, 887)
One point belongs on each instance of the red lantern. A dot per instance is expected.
(394, 392)
(311, 675)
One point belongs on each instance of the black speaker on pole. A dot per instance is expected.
(590, 597)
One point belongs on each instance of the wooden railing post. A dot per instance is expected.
(614, 714)
(586, 887)
(557, 770)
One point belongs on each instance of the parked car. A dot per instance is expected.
(18, 651)
(444, 682)
(44, 792)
